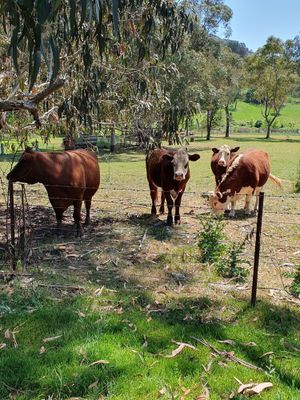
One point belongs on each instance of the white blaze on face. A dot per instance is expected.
(180, 164)
(216, 205)
(224, 155)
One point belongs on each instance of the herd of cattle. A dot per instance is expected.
(73, 176)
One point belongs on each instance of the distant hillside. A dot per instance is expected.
(237, 47)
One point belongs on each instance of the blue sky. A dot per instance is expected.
(254, 21)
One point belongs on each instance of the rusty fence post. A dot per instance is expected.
(257, 247)
(12, 226)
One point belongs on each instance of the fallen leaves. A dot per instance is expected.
(179, 349)
(98, 362)
(2, 346)
(254, 388)
(50, 339)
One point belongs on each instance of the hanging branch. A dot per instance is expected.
(31, 104)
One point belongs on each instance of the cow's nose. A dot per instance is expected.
(179, 175)
(222, 163)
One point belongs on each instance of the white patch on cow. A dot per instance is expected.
(232, 167)
(174, 194)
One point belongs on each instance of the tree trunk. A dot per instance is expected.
(208, 124)
(227, 131)
(268, 131)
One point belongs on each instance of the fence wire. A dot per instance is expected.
(123, 238)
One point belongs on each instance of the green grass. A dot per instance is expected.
(116, 327)
(249, 113)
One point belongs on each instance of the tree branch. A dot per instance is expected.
(31, 104)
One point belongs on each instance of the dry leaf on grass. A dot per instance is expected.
(254, 388)
(269, 353)
(99, 291)
(81, 314)
(2, 345)
(94, 384)
(50, 339)
(249, 344)
(180, 348)
(228, 341)
(204, 396)
(42, 350)
(99, 362)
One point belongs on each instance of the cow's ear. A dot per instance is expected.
(194, 157)
(215, 150)
(168, 157)
(235, 149)
(219, 195)
(28, 150)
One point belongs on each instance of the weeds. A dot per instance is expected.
(225, 254)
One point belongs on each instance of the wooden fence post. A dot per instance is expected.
(12, 226)
(257, 247)
(112, 139)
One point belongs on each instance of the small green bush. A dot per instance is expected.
(217, 249)
(295, 286)
(230, 263)
(258, 123)
(211, 240)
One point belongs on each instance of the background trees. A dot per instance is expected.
(271, 75)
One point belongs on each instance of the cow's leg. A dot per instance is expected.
(257, 191)
(59, 217)
(153, 194)
(177, 206)
(87, 207)
(247, 204)
(232, 211)
(77, 216)
(162, 203)
(169, 201)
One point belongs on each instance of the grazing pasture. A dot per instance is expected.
(99, 317)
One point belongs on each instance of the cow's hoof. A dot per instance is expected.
(177, 220)
(161, 211)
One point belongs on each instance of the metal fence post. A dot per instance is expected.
(12, 226)
(257, 247)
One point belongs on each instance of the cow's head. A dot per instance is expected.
(22, 172)
(224, 154)
(180, 162)
(218, 202)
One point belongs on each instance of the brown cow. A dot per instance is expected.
(246, 174)
(169, 170)
(220, 159)
(70, 178)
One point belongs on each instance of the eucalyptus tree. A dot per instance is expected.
(271, 75)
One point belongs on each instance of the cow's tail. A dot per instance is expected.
(275, 180)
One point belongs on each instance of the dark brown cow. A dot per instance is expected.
(220, 159)
(246, 174)
(70, 178)
(170, 171)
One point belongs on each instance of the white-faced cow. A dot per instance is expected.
(169, 170)
(220, 159)
(246, 174)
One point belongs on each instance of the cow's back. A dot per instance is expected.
(251, 168)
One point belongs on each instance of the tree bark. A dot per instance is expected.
(268, 131)
(31, 104)
(227, 114)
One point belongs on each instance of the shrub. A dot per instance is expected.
(211, 240)
(216, 248)
(230, 263)
(295, 286)
(258, 123)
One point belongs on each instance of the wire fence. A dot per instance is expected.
(125, 246)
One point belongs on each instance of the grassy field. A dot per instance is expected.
(246, 114)
(99, 317)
